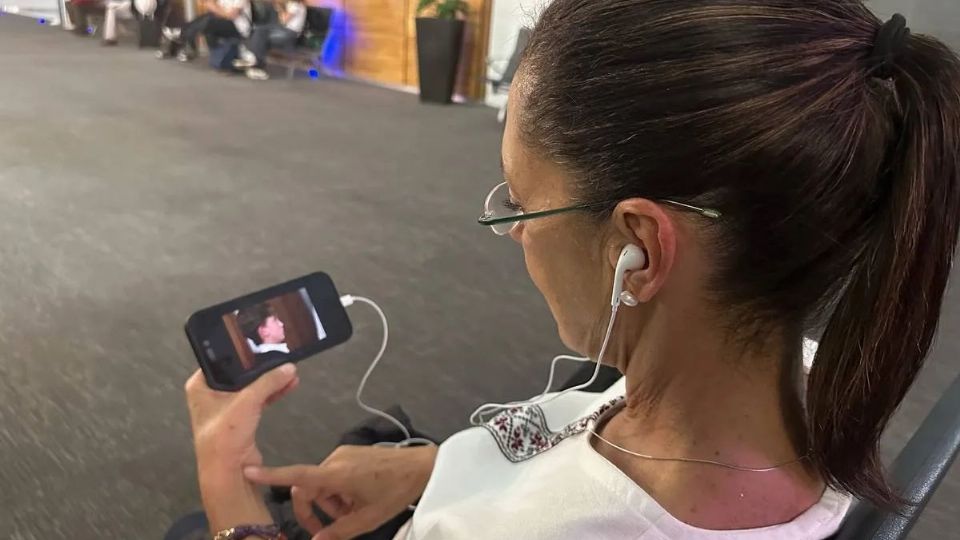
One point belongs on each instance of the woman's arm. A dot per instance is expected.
(285, 14)
(224, 436)
(213, 7)
(360, 487)
(230, 500)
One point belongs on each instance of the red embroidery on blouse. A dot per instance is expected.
(522, 432)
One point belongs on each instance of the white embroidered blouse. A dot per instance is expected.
(531, 473)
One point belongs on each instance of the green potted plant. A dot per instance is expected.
(439, 42)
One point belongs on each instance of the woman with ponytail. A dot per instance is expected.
(768, 169)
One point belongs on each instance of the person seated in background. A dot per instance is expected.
(79, 12)
(224, 19)
(264, 332)
(123, 10)
(284, 32)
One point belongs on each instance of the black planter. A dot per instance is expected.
(439, 42)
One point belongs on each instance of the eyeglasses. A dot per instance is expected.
(501, 214)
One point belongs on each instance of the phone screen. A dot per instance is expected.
(237, 341)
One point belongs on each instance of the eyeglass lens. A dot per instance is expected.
(499, 205)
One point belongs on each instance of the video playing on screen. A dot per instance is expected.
(270, 331)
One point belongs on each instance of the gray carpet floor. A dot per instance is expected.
(133, 192)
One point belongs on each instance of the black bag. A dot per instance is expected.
(149, 33)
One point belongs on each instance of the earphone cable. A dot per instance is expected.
(477, 418)
(409, 440)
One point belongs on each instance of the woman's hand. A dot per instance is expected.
(359, 487)
(224, 435)
(225, 423)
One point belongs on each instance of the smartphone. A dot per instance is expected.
(237, 341)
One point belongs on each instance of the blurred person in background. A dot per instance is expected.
(781, 166)
(284, 33)
(124, 10)
(223, 19)
(79, 12)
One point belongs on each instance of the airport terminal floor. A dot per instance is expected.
(134, 192)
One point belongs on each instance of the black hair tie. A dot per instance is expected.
(889, 42)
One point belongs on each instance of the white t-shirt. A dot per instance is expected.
(242, 22)
(268, 347)
(147, 8)
(297, 16)
(517, 478)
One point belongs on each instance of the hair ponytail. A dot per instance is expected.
(885, 319)
(837, 177)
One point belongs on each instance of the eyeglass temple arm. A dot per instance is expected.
(485, 220)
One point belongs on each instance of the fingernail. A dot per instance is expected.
(251, 471)
(288, 369)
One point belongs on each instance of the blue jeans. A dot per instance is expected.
(270, 36)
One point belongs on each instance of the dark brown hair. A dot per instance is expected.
(251, 318)
(839, 189)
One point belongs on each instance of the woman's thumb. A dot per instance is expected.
(271, 382)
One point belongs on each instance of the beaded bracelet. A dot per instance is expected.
(267, 532)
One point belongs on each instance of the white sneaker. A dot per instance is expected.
(182, 56)
(257, 74)
(243, 63)
(248, 56)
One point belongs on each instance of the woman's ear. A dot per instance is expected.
(644, 223)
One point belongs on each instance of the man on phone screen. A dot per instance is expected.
(264, 332)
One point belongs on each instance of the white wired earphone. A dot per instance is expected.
(631, 258)
(409, 440)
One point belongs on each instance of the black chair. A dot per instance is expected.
(317, 29)
(511, 70)
(917, 471)
(506, 78)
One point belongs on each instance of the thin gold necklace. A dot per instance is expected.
(702, 461)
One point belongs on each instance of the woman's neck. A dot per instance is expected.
(698, 394)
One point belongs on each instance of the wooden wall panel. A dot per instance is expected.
(376, 57)
(376, 47)
(380, 42)
(411, 75)
(473, 62)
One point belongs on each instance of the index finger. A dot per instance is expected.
(300, 475)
